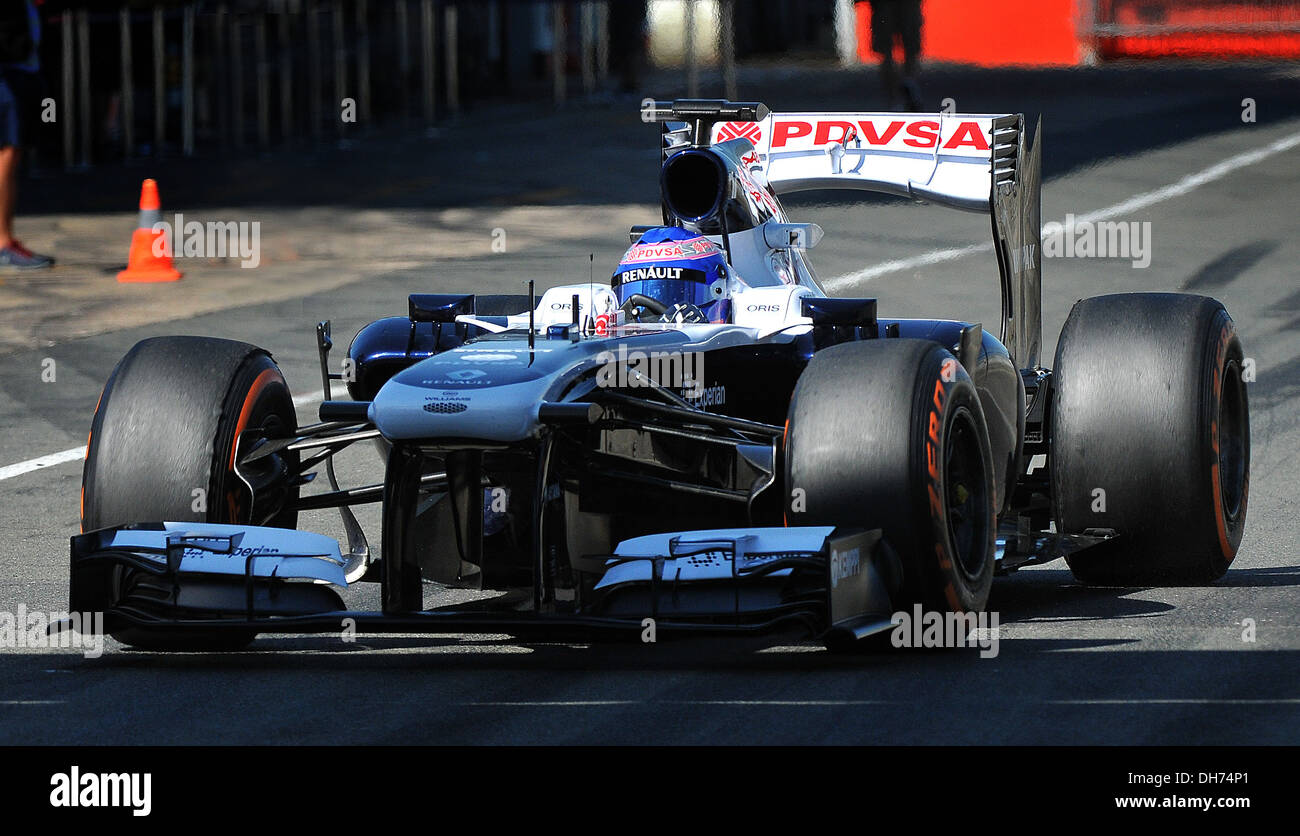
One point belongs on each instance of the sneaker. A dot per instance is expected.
(17, 256)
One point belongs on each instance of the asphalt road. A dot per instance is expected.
(1075, 664)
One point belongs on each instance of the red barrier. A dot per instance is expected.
(990, 33)
(1049, 33)
(1201, 29)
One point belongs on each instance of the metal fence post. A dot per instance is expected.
(727, 46)
(83, 104)
(220, 63)
(286, 78)
(403, 55)
(692, 63)
(585, 17)
(187, 81)
(159, 83)
(69, 65)
(128, 84)
(451, 56)
(340, 69)
(602, 40)
(237, 80)
(363, 61)
(426, 59)
(313, 73)
(263, 83)
(559, 50)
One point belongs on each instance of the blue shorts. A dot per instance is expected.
(19, 107)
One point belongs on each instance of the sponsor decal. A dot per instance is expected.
(880, 133)
(707, 396)
(243, 551)
(932, 460)
(486, 356)
(739, 130)
(608, 319)
(640, 274)
(464, 377)
(691, 248)
(765, 308)
(845, 564)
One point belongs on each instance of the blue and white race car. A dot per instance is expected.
(707, 440)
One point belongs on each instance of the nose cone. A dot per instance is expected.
(469, 393)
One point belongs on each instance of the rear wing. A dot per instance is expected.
(973, 162)
(941, 158)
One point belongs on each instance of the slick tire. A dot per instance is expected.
(162, 447)
(1151, 438)
(890, 434)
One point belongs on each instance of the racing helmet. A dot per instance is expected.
(679, 269)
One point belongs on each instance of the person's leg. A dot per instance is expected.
(9, 143)
(8, 193)
(883, 26)
(910, 25)
(16, 108)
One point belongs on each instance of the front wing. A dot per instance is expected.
(833, 583)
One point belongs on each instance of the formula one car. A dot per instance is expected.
(707, 440)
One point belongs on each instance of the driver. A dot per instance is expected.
(673, 275)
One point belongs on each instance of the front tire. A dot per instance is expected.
(890, 434)
(162, 448)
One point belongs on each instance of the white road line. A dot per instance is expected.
(600, 703)
(1176, 702)
(313, 397)
(841, 703)
(549, 703)
(79, 453)
(1132, 204)
(785, 703)
(12, 470)
(924, 260)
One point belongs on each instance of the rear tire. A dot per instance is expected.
(1150, 407)
(162, 448)
(890, 434)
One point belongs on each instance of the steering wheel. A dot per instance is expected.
(637, 300)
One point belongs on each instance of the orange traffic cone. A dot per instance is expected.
(144, 265)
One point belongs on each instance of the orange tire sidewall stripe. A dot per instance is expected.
(263, 379)
(245, 412)
(1216, 478)
(89, 435)
(785, 452)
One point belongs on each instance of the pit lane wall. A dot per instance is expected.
(1064, 33)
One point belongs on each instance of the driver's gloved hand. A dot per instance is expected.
(682, 312)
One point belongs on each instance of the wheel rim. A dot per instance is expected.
(1232, 441)
(966, 494)
(264, 479)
